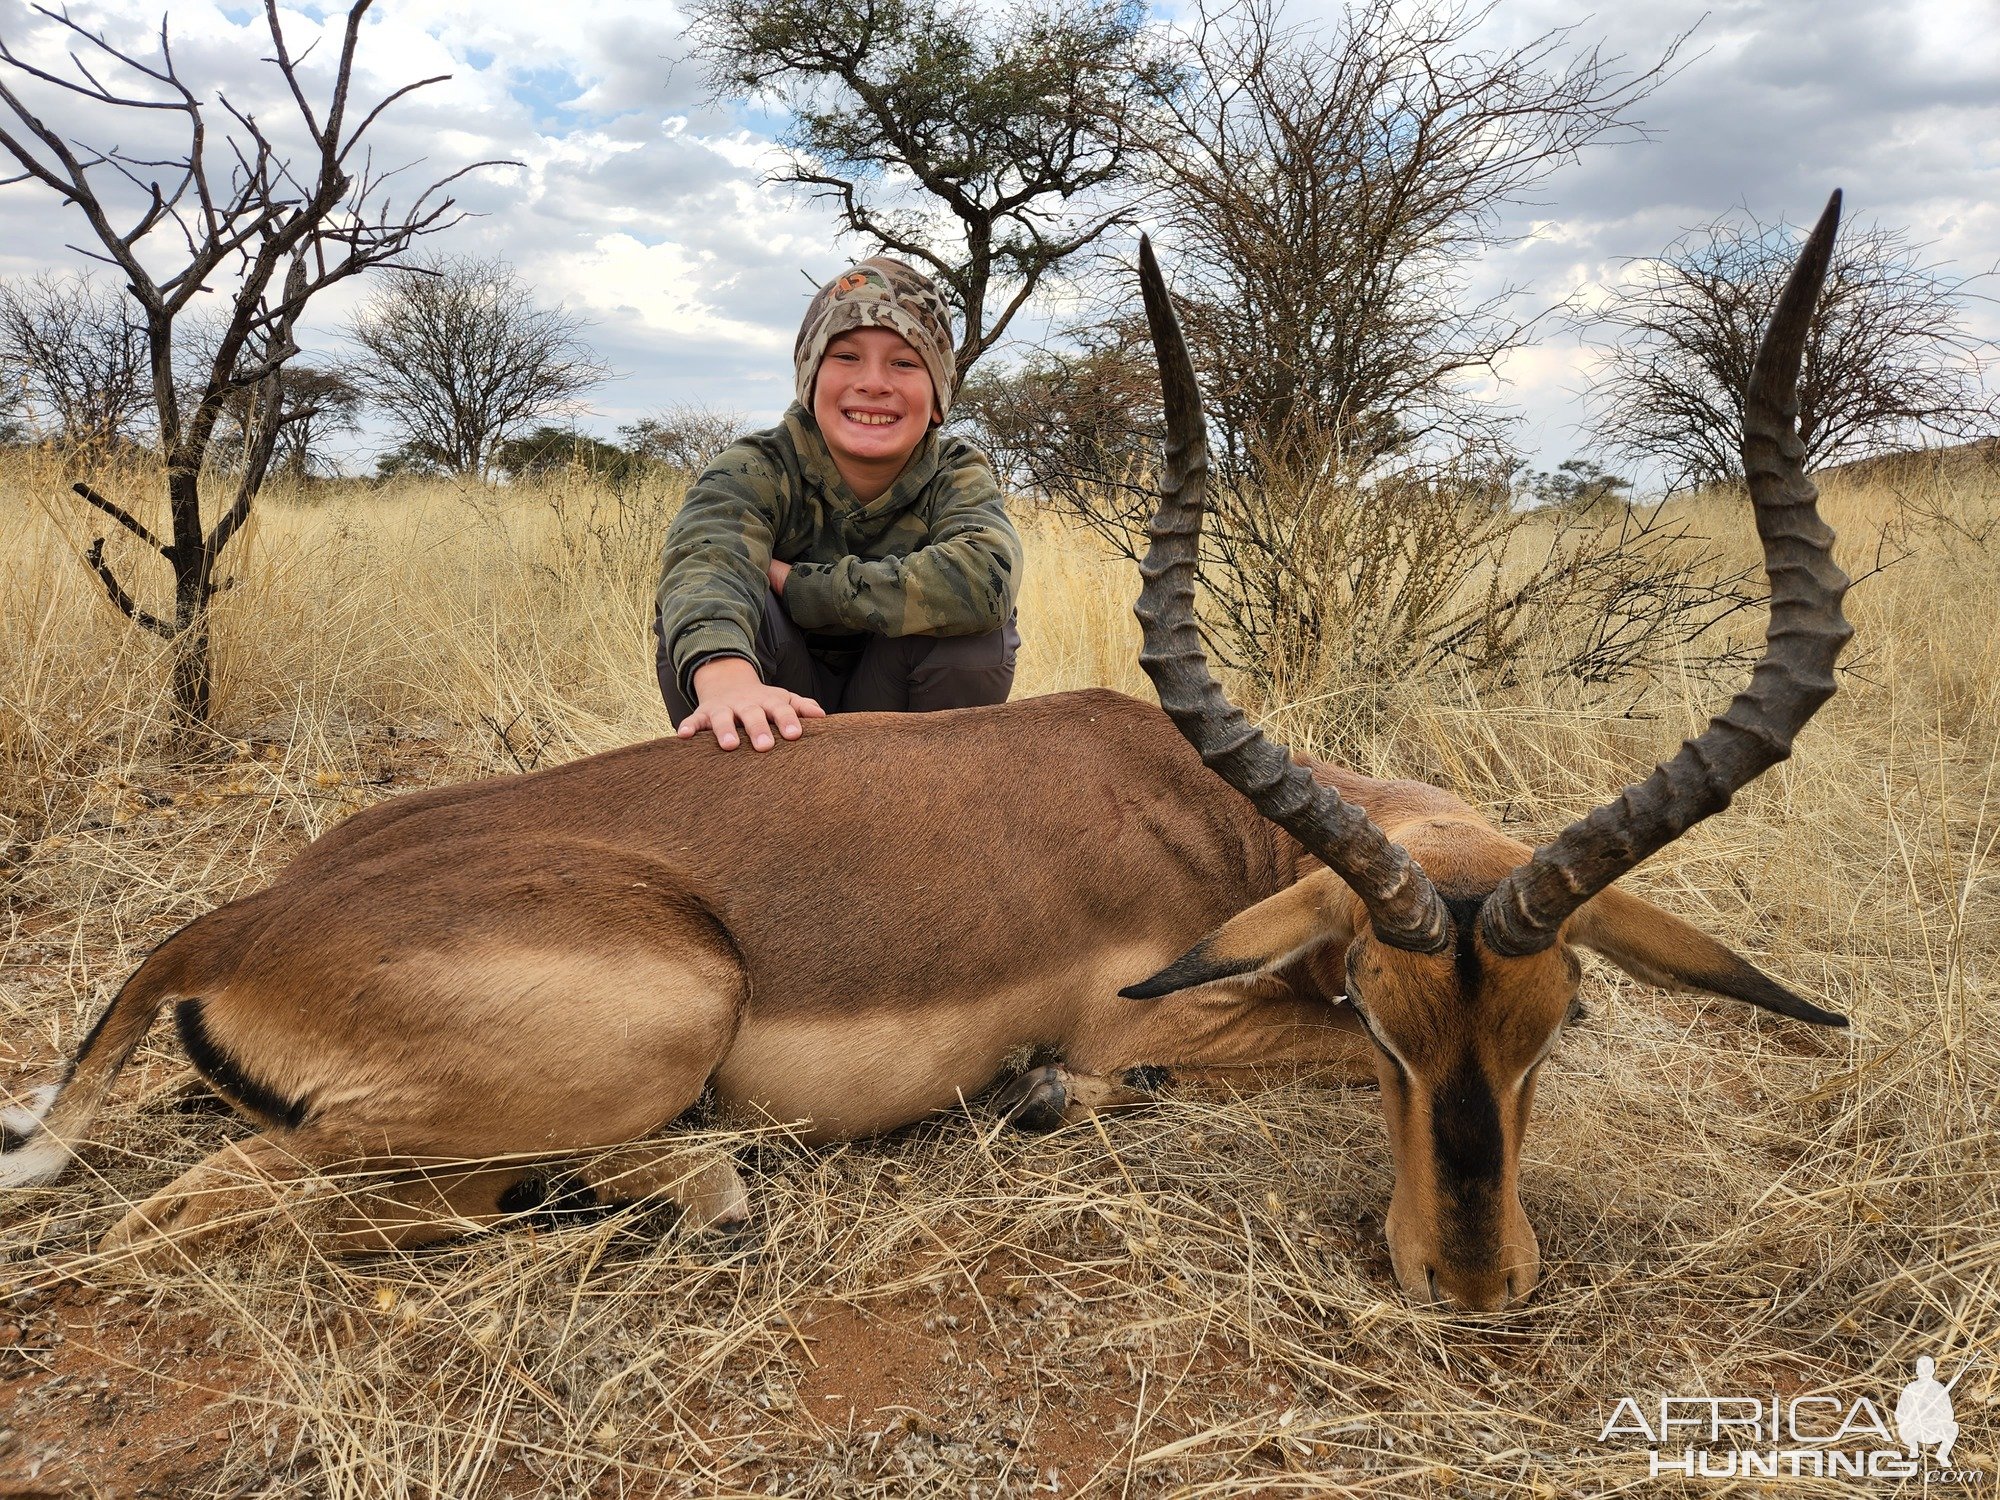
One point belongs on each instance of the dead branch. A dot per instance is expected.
(122, 516)
(94, 556)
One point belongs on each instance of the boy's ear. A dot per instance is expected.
(1655, 946)
(1318, 909)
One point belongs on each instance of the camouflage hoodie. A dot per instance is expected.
(934, 554)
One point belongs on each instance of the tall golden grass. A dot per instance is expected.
(1190, 1300)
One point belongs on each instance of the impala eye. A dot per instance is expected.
(1361, 1015)
(1375, 1039)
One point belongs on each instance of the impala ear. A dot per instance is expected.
(1659, 948)
(1318, 909)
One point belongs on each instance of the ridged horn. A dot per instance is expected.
(1526, 911)
(1402, 907)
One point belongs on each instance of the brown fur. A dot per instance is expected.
(847, 934)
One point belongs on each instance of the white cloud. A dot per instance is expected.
(642, 203)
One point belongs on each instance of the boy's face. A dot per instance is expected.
(872, 398)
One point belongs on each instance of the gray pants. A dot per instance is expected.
(877, 673)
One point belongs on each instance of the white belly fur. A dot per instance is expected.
(862, 1072)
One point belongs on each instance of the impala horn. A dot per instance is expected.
(1526, 911)
(1402, 906)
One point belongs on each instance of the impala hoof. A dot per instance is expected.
(551, 1202)
(1035, 1102)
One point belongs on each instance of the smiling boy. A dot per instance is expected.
(852, 557)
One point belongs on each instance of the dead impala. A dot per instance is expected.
(882, 918)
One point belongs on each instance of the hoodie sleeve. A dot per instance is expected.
(962, 581)
(713, 566)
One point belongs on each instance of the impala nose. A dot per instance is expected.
(1487, 1290)
(1482, 1266)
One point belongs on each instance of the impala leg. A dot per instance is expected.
(435, 1204)
(231, 1190)
(238, 1187)
(1216, 1036)
(702, 1180)
(575, 1030)
(1048, 1098)
(430, 1205)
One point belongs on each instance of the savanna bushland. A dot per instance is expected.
(1190, 1299)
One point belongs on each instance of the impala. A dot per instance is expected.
(478, 989)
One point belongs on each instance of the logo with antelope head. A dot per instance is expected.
(1809, 1434)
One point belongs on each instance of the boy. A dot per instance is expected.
(850, 558)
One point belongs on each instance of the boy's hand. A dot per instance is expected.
(728, 692)
(778, 572)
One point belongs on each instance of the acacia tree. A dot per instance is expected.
(321, 402)
(1323, 194)
(1078, 423)
(987, 147)
(81, 354)
(1575, 484)
(1888, 358)
(226, 207)
(316, 403)
(460, 358)
(683, 436)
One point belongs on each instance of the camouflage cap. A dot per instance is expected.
(879, 293)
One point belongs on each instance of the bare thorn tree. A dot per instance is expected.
(684, 436)
(1889, 361)
(14, 426)
(988, 147)
(81, 353)
(1325, 191)
(227, 208)
(460, 358)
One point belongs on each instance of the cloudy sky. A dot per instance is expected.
(640, 203)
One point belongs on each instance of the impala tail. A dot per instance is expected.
(37, 1138)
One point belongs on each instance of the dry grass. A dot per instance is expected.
(1191, 1300)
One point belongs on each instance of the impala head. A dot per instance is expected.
(1455, 946)
(1457, 1038)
